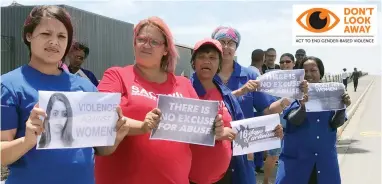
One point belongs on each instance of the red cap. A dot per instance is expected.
(209, 41)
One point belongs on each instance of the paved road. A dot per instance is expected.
(359, 147)
(343, 144)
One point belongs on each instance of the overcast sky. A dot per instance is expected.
(262, 24)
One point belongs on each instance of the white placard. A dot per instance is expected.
(255, 134)
(78, 119)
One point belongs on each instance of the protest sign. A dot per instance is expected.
(78, 119)
(282, 83)
(255, 134)
(186, 120)
(269, 70)
(325, 97)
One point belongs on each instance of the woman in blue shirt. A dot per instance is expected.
(48, 34)
(309, 154)
(241, 80)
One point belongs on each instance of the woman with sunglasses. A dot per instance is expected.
(139, 160)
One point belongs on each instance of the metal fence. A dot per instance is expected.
(337, 77)
(7, 53)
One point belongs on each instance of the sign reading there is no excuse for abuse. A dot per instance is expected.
(78, 119)
(282, 83)
(255, 134)
(186, 120)
(325, 97)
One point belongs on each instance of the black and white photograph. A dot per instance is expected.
(78, 119)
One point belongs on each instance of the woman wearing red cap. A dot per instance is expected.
(210, 164)
(138, 160)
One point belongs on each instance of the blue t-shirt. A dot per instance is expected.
(19, 94)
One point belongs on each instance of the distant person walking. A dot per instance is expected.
(355, 76)
(345, 77)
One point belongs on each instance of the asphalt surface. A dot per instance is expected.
(359, 147)
(353, 152)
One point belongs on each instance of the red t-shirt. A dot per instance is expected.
(137, 159)
(209, 164)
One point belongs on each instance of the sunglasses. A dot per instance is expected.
(286, 62)
(152, 42)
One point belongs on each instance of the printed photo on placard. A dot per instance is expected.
(282, 83)
(186, 120)
(255, 134)
(78, 119)
(325, 97)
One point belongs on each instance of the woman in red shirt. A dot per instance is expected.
(138, 160)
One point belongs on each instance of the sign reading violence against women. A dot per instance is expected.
(255, 134)
(325, 97)
(78, 119)
(186, 120)
(282, 83)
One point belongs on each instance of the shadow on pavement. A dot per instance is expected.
(350, 150)
(346, 142)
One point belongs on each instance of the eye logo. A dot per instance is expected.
(318, 20)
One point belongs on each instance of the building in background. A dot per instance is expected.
(110, 41)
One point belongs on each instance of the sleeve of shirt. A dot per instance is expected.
(93, 78)
(111, 81)
(294, 105)
(9, 114)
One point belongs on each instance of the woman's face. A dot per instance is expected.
(229, 48)
(286, 63)
(58, 117)
(149, 47)
(49, 40)
(312, 73)
(206, 64)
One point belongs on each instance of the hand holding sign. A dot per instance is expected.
(304, 86)
(305, 98)
(228, 134)
(151, 120)
(279, 131)
(122, 127)
(250, 86)
(346, 99)
(34, 125)
(219, 127)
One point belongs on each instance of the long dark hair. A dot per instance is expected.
(66, 134)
